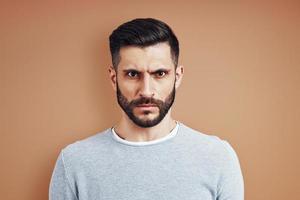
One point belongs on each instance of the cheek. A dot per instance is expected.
(166, 90)
(128, 90)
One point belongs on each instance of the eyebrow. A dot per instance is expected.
(151, 72)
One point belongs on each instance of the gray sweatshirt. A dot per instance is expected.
(184, 165)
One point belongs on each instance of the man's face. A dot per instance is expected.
(146, 83)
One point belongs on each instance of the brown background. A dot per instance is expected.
(241, 83)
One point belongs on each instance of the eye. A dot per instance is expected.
(132, 74)
(161, 73)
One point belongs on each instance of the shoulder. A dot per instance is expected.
(196, 137)
(205, 142)
(87, 147)
(216, 151)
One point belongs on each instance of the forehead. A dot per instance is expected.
(150, 57)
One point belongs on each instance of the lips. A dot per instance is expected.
(146, 105)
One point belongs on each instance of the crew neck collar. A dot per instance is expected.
(172, 134)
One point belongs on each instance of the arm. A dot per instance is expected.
(60, 188)
(231, 184)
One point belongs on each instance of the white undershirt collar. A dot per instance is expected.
(167, 137)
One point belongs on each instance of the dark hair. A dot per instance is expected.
(142, 32)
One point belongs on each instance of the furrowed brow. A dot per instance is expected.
(129, 70)
(161, 69)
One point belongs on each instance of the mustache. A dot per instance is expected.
(145, 100)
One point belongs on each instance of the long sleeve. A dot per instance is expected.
(231, 184)
(60, 188)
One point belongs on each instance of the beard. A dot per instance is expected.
(163, 107)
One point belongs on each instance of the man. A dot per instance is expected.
(147, 154)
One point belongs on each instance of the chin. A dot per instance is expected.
(146, 117)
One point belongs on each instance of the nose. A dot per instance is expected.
(146, 87)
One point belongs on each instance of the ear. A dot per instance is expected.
(179, 75)
(113, 77)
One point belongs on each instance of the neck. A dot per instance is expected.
(127, 130)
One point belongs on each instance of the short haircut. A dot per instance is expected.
(142, 32)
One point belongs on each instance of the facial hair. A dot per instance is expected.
(163, 107)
